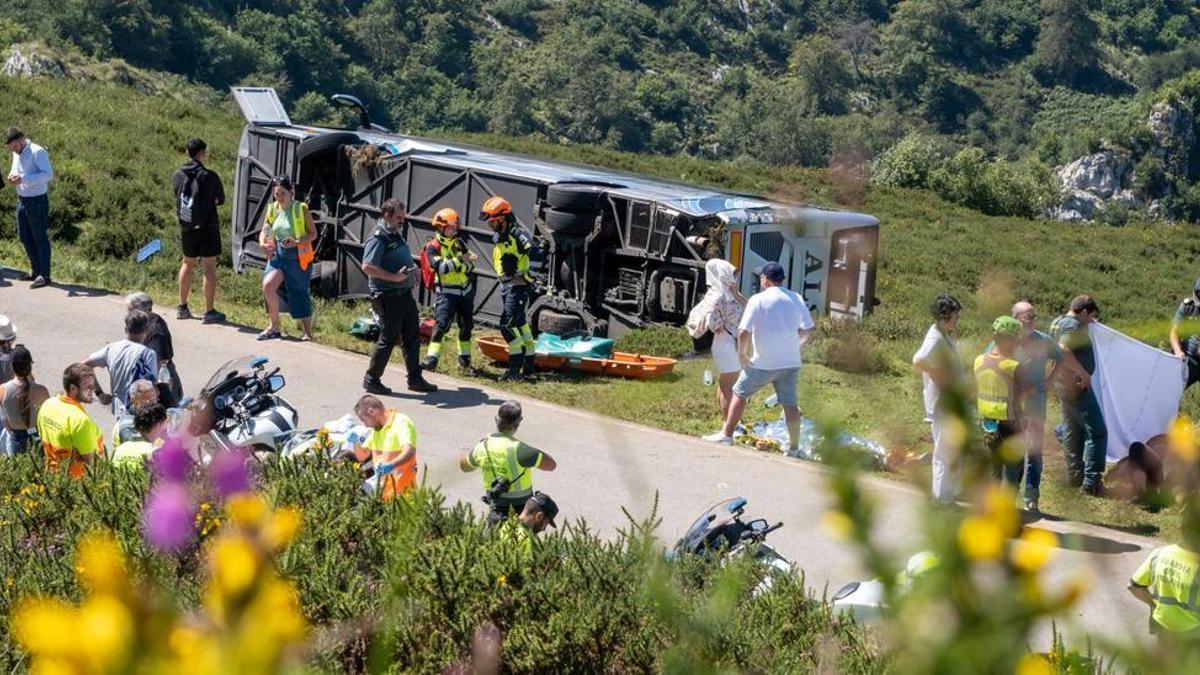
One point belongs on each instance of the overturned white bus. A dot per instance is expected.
(620, 250)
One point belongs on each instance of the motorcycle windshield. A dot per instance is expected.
(239, 366)
(716, 516)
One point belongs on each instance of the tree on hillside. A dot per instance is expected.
(824, 73)
(1067, 47)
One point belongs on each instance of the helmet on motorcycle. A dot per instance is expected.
(496, 211)
(445, 217)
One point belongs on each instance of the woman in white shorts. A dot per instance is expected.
(719, 311)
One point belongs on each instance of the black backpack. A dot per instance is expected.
(185, 200)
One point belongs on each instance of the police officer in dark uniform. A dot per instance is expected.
(1187, 317)
(391, 271)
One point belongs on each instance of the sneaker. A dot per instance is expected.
(739, 429)
(464, 361)
(39, 282)
(1092, 489)
(25, 276)
(182, 312)
(718, 437)
(421, 386)
(430, 363)
(373, 385)
(211, 316)
(1030, 506)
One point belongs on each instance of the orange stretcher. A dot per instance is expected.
(622, 364)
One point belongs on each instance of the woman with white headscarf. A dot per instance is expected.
(719, 311)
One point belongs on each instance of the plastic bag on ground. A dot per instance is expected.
(811, 439)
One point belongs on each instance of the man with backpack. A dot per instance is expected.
(446, 263)
(198, 192)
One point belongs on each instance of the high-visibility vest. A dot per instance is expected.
(995, 386)
(133, 454)
(398, 432)
(496, 455)
(298, 209)
(68, 433)
(513, 243)
(1172, 575)
(450, 263)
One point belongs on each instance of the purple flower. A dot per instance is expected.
(168, 521)
(230, 473)
(171, 462)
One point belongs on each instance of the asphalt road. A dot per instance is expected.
(604, 465)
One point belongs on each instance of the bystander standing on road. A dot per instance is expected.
(287, 237)
(774, 327)
(942, 375)
(390, 269)
(1086, 437)
(158, 340)
(1041, 358)
(20, 399)
(126, 360)
(31, 174)
(198, 192)
(720, 312)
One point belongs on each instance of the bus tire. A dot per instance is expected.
(315, 145)
(559, 221)
(557, 323)
(574, 196)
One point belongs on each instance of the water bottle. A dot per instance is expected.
(708, 377)
(772, 400)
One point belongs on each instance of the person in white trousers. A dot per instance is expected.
(941, 370)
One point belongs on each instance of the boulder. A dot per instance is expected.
(1101, 174)
(27, 61)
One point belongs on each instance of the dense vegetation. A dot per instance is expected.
(796, 82)
(405, 586)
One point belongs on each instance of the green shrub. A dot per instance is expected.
(849, 347)
(908, 163)
(668, 341)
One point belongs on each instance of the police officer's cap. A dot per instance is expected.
(540, 501)
(508, 414)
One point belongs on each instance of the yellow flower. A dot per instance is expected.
(981, 538)
(99, 563)
(1034, 664)
(277, 609)
(40, 624)
(999, 505)
(1182, 439)
(247, 510)
(106, 632)
(501, 580)
(235, 565)
(1034, 549)
(282, 528)
(839, 525)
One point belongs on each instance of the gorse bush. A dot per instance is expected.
(408, 585)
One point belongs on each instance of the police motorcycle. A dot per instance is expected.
(721, 532)
(247, 410)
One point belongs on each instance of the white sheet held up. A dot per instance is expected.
(1139, 388)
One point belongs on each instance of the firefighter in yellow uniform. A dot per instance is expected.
(454, 267)
(998, 401)
(510, 258)
(1169, 582)
(391, 447)
(69, 436)
(501, 456)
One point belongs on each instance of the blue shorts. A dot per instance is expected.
(784, 379)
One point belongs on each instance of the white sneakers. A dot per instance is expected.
(718, 437)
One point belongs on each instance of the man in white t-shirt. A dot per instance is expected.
(774, 326)
(941, 369)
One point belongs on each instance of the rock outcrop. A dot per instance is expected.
(1091, 182)
(28, 61)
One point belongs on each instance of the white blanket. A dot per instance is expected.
(1139, 388)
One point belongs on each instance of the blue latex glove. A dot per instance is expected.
(383, 469)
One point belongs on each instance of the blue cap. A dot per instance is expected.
(772, 271)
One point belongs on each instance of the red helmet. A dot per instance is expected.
(445, 217)
(495, 210)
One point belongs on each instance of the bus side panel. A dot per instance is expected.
(262, 155)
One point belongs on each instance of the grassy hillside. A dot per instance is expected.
(114, 151)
